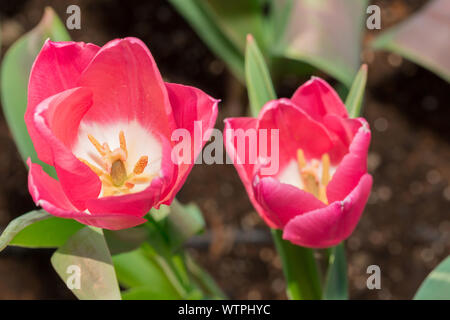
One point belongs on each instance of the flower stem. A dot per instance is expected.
(300, 269)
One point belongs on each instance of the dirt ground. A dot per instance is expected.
(404, 229)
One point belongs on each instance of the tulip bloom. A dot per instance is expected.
(103, 118)
(322, 185)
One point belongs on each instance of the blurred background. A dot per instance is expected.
(405, 228)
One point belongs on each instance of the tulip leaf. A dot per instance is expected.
(145, 271)
(15, 72)
(437, 285)
(84, 264)
(355, 97)
(19, 224)
(259, 84)
(423, 38)
(325, 34)
(48, 233)
(207, 29)
(300, 269)
(238, 18)
(336, 285)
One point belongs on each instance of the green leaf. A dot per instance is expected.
(316, 34)
(207, 28)
(15, 72)
(49, 233)
(423, 38)
(144, 269)
(20, 223)
(183, 222)
(300, 269)
(204, 280)
(259, 85)
(238, 18)
(437, 285)
(87, 250)
(336, 285)
(355, 97)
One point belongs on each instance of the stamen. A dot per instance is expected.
(301, 159)
(323, 194)
(140, 165)
(123, 143)
(96, 170)
(114, 177)
(310, 181)
(325, 169)
(129, 185)
(97, 145)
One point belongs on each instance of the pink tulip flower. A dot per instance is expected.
(103, 118)
(321, 187)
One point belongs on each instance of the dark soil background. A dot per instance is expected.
(405, 227)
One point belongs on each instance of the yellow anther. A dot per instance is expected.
(301, 159)
(325, 169)
(323, 194)
(97, 145)
(123, 143)
(140, 165)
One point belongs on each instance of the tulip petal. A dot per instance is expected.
(297, 130)
(57, 68)
(240, 158)
(48, 193)
(328, 226)
(194, 111)
(52, 115)
(283, 201)
(127, 86)
(352, 167)
(317, 98)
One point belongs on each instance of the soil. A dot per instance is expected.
(404, 229)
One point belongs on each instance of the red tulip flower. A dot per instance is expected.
(103, 118)
(321, 186)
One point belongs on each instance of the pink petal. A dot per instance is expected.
(317, 98)
(283, 202)
(57, 68)
(297, 130)
(352, 167)
(58, 117)
(47, 193)
(329, 226)
(127, 86)
(342, 131)
(241, 161)
(188, 106)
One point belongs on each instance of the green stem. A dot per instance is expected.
(300, 269)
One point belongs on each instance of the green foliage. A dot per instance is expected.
(15, 73)
(355, 97)
(259, 85)
(423, 39)
(87, 250)
(437, 285)
(336, 285)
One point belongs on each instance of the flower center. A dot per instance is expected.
(113, 173)
(314, 175)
